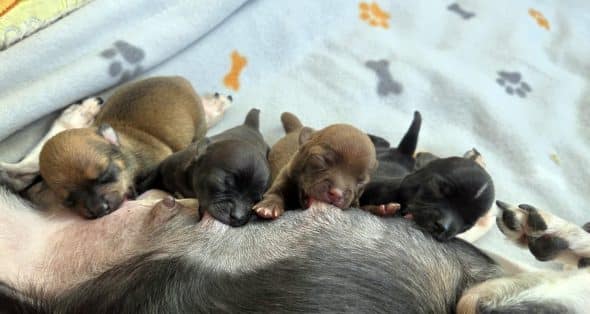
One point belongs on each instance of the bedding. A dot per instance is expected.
(509, 78)
(20, 18)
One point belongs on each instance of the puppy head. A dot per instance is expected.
(86, 170)
(229, 177)
(447, 196)
(333, 165)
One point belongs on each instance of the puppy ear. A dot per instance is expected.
(475, 155)
(106, 131)
(201, 147)
(305, 135)
(422, 159)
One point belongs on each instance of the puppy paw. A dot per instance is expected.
(547, 236)
(80, 115)
(16, 181)
(475, 155)
(269, 208)
(215, 106)
(388, 209)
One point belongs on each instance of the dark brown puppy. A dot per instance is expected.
(227, 172)
(93, 170)
(331, 165)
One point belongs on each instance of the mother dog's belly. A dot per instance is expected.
(57, 250)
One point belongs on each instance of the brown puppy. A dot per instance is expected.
(331, 165)
(93, 170)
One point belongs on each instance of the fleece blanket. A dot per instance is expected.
(509, 78)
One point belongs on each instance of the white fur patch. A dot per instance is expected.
(480, 191)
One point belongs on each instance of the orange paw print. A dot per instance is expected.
(374, 15)
(238, 63)
(541, 20)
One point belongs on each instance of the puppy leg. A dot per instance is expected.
(384, 210)
(272, 204)
(19, 175)
(534, 292)
(475, 155)
(547, 236)
(215, 106)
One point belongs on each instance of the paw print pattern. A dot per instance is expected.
(374, 15)
(539, 18)
(513, 83)
(460, 11)
(555, 158)
(129, 56)
(386, 83)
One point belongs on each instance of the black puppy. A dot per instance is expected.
(444, 196)
(228, 173)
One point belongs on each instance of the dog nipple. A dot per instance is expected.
(169, 201)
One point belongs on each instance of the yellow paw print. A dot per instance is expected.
(374, 15)
(538, 16)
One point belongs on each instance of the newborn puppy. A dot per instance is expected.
(227, 173)
(444, 196)
(331, 165)
(94, 170)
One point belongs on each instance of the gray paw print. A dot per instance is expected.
(512, 83)
(130, 55)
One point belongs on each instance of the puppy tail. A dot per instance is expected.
(290, 122)
(407, 145)
(253, 118)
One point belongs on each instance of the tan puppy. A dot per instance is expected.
(331, 165)
(93, 170)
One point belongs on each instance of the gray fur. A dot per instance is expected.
(318, 260)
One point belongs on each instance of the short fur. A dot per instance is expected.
(93, 170)
(330, 165)
(227, 172)
(540, 291)
(320, 260)
(446, 196)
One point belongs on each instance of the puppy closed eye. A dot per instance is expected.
(108, 176)
(318, 163)
(362, 181)
(69, 202)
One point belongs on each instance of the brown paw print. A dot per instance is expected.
(374, 15)
(539, 18)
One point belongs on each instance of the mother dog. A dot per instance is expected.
(320, 260)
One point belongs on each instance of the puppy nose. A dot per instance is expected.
(335, 195)
(442, 229)
(239, 216)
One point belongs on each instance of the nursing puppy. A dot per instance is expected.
(444, 196)
(93, 170)
(228, 173)
(18, 176)
(331, 165)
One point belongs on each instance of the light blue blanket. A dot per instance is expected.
(509, 78)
